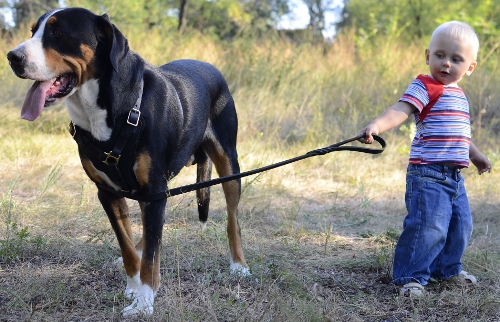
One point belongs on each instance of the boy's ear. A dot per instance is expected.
(472, 66)
(427, 53)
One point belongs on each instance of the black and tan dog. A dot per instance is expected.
(136, 126)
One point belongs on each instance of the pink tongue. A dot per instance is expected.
(35, 100)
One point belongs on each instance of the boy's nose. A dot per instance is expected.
(446, 63)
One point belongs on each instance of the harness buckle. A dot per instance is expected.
(72, 129)
(110, 155)
(133, 117)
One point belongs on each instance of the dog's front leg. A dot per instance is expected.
(117, 210)
(153, 214)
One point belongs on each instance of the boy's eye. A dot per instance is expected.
(438, 55)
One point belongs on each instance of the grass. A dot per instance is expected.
(318, 234)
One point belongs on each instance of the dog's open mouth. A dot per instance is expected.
(45, 93)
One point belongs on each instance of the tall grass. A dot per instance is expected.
(318, 234)
(304, 93)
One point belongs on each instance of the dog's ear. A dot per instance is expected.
(106, 17)
(116, 43)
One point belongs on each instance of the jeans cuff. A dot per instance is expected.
(406, 280)
(454, 272)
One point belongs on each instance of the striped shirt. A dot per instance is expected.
(444, 135)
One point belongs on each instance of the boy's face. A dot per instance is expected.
(449, 59)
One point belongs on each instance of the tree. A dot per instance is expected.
(182, 15)
(25, 11)
(410, 19)
(221, 18)
(317, 10)
(147, 13)
(265, 14)
(227, 18)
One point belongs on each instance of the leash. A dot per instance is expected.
(332, 148)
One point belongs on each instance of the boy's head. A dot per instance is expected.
(452, 52)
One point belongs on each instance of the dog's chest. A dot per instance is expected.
(83, 110)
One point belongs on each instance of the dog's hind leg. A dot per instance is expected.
(117, 211)
(204, 172)
(226, 163)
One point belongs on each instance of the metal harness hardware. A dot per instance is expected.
(110, 155)
(133, 116)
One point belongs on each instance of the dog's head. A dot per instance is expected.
(61, 56)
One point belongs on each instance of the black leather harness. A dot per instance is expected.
(118, 163)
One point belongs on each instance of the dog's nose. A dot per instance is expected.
(16, 57)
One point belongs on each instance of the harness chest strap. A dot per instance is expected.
(129, 130)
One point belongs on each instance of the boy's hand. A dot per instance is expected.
(477, 158)
(481, 162)
(368, 132)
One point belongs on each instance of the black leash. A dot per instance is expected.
(332, 148)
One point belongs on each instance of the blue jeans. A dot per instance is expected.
(436, 229)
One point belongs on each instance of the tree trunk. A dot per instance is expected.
(182, 15)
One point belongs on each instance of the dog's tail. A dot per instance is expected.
(203, 173)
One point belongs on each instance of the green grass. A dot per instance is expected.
(318, 234)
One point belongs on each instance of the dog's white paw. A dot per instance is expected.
(133, 285)
(142, 303)
(238, 269)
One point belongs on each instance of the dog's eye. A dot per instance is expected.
(56, 32)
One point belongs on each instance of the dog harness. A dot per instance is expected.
(118, 163)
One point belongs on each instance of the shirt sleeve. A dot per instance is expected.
(416, 95)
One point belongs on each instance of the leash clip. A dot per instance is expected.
(110, 155)
(133, 117)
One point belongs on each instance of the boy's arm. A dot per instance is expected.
(479, 159)
(390, 118)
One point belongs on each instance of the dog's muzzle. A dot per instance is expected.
(17, 61)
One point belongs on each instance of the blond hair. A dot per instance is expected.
(458, 30)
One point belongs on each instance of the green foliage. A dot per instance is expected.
(146, 13)
(15, 239)
(221, 19)
(416, 19)
(26, 12)
(12, 247)
(226, 19)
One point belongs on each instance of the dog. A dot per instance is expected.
(136, 126)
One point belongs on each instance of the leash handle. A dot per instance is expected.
(339, 146)
(332, 148)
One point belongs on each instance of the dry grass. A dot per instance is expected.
(318, 234)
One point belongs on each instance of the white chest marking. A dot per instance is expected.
(84, 112)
